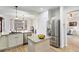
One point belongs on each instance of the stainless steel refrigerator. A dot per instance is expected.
(55, 33)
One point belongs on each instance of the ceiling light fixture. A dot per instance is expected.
(16, 12)
(70, 15)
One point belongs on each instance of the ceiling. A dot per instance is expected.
(27, 11)
(34, 9)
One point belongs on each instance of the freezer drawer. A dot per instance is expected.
(54, 41)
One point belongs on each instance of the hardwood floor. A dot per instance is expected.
(23, 48)
(73, 46)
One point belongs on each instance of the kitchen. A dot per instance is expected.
(31, 29)
(18, 23)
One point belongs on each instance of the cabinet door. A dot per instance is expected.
(3, 42)
(19, 39)
(12, 41)
(25, 38)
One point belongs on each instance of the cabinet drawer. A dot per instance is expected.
(20, 40)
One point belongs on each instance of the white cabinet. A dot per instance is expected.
(38, 46)
(25, 38)
(15, 40)
(11, 41)
(19, 39)
(3, 42)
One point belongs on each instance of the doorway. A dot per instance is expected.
(73, 30)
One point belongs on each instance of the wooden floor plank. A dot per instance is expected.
(73, 46)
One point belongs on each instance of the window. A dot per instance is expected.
(1, 24)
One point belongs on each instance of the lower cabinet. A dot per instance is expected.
(15, 40)
(11, 40)
(25, 38)
(3, 42)
(19, 39)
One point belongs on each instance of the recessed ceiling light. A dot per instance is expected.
(41, 9)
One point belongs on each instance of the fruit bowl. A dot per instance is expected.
(41, 36)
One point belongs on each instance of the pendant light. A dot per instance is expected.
(16, 12)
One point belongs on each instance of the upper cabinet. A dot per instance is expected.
(18, 25)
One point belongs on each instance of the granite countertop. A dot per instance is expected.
(14, 32)
(26, 31)
(4, 34)
(35, 39)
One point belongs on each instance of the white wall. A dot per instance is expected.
(75, 17)
(42, 23)
(5, 24)
(62, 29)
(29, 23)
(54, 13)
(35, 23)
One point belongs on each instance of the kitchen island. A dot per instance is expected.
(38, 45)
